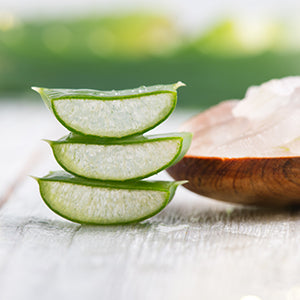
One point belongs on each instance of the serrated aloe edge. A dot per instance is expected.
(120, 159)
(101, 203)
(111, 114)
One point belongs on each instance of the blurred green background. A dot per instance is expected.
(127, 49)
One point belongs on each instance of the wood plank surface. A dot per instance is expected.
(22, 126)
(196, 248)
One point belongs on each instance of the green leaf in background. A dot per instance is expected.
(232, 38)
(120, 51)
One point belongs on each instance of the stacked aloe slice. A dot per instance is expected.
(106, 155)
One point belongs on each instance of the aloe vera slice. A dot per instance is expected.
(111, 113)
(120, 159)
(96, 202)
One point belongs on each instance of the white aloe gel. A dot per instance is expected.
(123, 117)
(117, 162)
(266, 123)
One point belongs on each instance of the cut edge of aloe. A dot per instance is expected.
(50, 95)
(167, 187)
(185, 139)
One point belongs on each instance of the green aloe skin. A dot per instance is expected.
(111, 114)
(89, 201)
(120, 159)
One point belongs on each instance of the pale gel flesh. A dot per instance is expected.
(266, 123)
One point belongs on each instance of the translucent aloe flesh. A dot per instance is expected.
(97, 202)
(111, 113)
(120, 159)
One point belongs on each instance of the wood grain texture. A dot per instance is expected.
(255, 181)
(22, 128)
(196, 248)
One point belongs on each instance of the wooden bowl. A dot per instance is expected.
(263, 181)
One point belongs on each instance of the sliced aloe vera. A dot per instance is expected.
(97, 202)
(111, 113)
(120, 159)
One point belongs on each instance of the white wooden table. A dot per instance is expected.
(196, 248)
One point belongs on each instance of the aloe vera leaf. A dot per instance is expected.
(120, 159)
(89, 201)
(111, 113)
